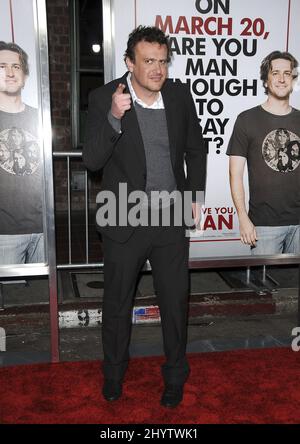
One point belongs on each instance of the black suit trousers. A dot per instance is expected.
(167, 251)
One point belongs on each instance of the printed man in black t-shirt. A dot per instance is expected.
(267, 137)
(21, 227)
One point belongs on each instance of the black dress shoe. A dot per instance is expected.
(112, 390)
(172, 395)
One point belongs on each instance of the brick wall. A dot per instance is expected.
(59, 35)
(59, 40)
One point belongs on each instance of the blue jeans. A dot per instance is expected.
(276, 240)
(21, 248)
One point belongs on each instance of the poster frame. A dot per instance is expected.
(49, 267)
(195, 262)
(41, 45)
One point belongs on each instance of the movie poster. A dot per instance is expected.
(21, 156)
(217, 46)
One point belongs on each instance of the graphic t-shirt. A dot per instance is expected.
(21, 187)
(271, 144)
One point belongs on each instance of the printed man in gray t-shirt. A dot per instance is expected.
(21, 224)
(267, 137)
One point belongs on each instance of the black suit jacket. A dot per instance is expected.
(122, 156)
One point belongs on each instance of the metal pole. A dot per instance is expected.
(299, 298)
(86, 217)
(48, 181)
(1, 297)
(248, 275)
(99, 265)
(69, 212)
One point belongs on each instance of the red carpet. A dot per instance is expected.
(241, 386)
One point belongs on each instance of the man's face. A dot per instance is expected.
(270, 152)
(17, 138)
(280, 79)
(283, 157)
(282, 137)
(19, 160)
(150, 68)
(295, 151)
(12, 77)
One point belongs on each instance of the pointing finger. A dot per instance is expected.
(120, 88)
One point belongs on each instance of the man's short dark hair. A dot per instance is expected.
(22, 54)
(266, 65)
(149, 34)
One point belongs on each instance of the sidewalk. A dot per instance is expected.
(221, 317)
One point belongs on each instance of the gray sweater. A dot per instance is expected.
(154, 131)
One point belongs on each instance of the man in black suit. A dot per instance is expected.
(141, 128)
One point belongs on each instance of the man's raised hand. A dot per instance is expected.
(121, 102)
